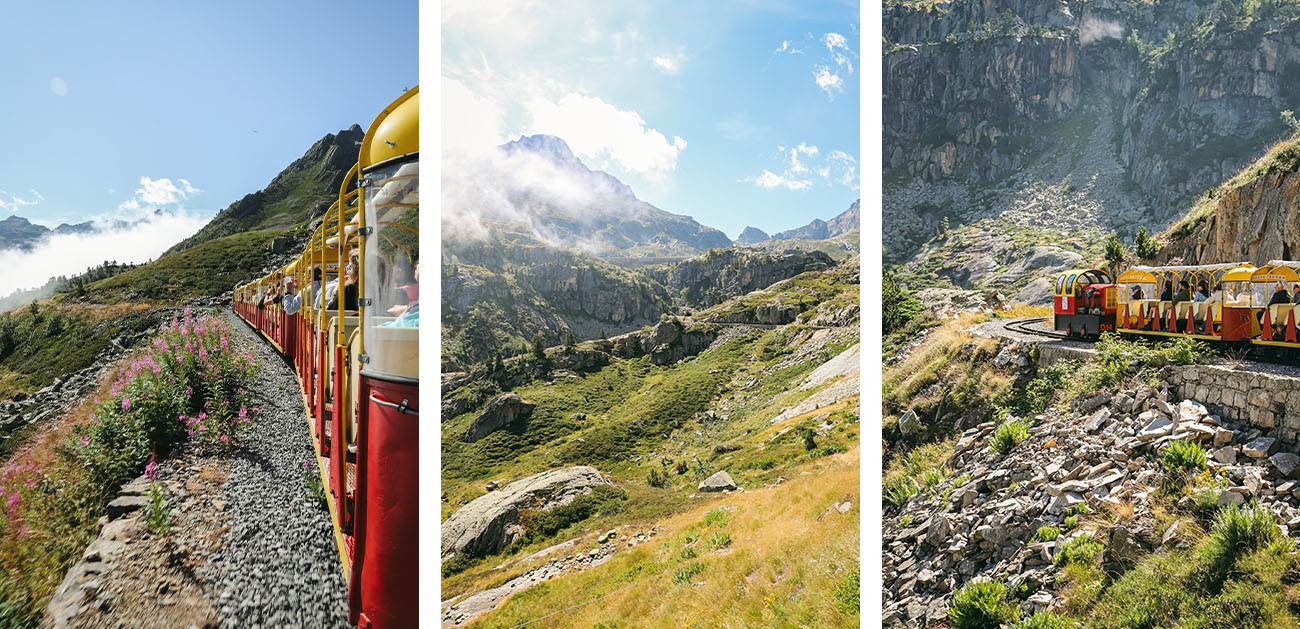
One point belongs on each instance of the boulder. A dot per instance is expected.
(480, 527)
(1286, 464)
(1260, 448)
(720, 481)
(503, 410)
(909, 424)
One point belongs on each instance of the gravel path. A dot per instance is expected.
(279, 566)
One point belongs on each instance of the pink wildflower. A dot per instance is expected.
(151, 469)
(225, 439)
(126, 403)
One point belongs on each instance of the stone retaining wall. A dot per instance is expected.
(1266, 401)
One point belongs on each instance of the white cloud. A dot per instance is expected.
(156, 192)
(16, 202)
(70, 254)
(472, 122)
(788, 48)
(828, 81)
(771, 180)
(665, 64)
(804, 165)
(59, 86)
(594, 128)
(795, 165)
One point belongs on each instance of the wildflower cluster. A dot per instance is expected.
(16, 479)
(187, 384)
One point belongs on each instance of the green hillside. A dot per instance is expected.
(209, 269)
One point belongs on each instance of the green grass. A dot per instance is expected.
(1008, 435)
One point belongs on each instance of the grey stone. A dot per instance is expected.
(719, 481)
(1286, 464)
(502, 411)
(1260, 448)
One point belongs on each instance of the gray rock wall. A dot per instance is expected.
(1267, 401)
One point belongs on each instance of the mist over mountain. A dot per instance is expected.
(537, 182)
(17, 232)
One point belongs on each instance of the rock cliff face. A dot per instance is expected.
(1255, 222)
(1119, 111)
(721, 274)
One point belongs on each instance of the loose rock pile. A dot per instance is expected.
(1103, 453)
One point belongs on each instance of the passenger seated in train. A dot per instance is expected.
(1202, 293)
(349, 288)
(1168, 293)
(1217, 296)
(408, 314)
(1183, 294)
(1280, 296)
(1137, 292)
(292, 301)
(309, 294)
(1297, 294)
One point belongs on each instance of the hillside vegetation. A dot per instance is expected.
(743, 405)
(46, 340)
(206, 270)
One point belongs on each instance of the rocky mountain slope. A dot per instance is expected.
(302, 191)
(1073, 117)
(845, 222)
(751, 235)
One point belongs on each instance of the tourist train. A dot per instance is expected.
(357, 362)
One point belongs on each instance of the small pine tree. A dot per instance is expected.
(809, 440)
(569, 340)
(539, 346)
(1144, 245)
(1114, 252)
(899, 304)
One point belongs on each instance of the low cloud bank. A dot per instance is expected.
(72, 254)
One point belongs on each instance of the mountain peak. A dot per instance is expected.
(557, 151)
(751, 235)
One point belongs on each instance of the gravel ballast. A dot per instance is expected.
(279, 564)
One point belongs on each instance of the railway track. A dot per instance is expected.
(1022, 326)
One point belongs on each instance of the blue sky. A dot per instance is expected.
(736, 113)
(111, 109)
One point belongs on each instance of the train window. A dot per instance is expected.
(392, 269)
(1069, 286)
(1060, 285)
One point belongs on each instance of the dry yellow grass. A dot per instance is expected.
(786, 557)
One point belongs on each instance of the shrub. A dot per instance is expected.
(1237, 530)
(656, 479)
(685, 575)
(848, 592)
(1039, 392)
(688, 552)
(899, 489)
(543, 524)
(719, 540)
(898, 304)
(1084, 549)
(982, 604)
(1047, 533)
(1008, 435)
(1185, 351)
(933, 476)
(717, 518)
(1184, 456)
(1070, 522)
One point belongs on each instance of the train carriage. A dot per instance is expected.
(358, 363)
(1147, 305)
(1272, 302)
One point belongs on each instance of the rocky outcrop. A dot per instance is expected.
(1255, 222)
(503, 410)
(484, 525)
(721, 274)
